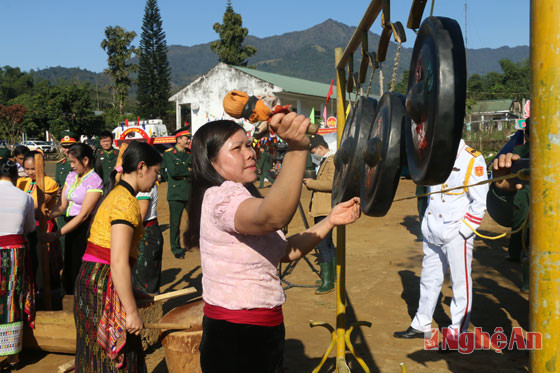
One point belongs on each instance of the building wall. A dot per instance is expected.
(205, 96)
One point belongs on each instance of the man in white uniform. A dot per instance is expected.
(448, 243)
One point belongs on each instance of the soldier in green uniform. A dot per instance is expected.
(63, 168)
(264, 164)
(178, 172)
(5, 153)
(67, 139)
(509, 205)
(106, 156)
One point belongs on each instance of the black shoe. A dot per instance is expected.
(180, 255)
(409, 333)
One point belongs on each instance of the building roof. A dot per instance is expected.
(290, 84)
(492, 106)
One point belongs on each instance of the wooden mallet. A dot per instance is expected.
(239, 104)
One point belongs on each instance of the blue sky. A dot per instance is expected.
(36, 34)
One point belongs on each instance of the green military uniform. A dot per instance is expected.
(510, 209)
(265, 164)
(63, 168)
(178, 173)
(108, 159)
(5, 153)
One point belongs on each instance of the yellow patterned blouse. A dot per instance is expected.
(29, 186)
(119, 207)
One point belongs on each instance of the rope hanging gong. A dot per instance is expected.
(425, 127)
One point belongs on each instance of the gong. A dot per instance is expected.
(348, 159)
(436, 100)
(383, 155)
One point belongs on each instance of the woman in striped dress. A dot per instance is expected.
(29, 185)
(105, 311)
(16, 219)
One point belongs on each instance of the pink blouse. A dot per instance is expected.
(239, 271)
(77, 190)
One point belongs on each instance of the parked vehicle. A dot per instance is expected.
(42, 145)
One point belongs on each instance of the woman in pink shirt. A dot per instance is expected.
(241, 242)
(81, 193)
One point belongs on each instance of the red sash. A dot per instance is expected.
(151, 222)
(254, 316)
(99, 252)
(103, 253)
(12, 240)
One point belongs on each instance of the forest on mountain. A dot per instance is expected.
(58, 97)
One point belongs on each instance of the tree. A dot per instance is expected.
(153, 67)
(13, 83)
(119, 51)
(11, 117)
(402, 86)
(230, 48)
(59, 108)
(513, 83)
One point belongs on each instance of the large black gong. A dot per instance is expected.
(384, 155)
(348, 159)
(435, 100)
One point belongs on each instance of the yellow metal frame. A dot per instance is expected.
(340, 337)
(544, 306)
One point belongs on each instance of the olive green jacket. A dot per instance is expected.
(265, 162)
(108, 160)
(63, 168)
(177, 171)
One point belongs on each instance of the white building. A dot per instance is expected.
(205, 95)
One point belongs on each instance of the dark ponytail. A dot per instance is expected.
(206, 144)
(8, 168)
(135, 153)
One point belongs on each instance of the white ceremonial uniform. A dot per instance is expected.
(448, 241)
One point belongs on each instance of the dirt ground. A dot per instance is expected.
(383, 273)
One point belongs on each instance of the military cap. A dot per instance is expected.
(68, 138)
(183, 131)
(5, 153)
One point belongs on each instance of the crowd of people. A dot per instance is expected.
(105, 246)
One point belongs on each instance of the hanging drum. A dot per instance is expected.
(383, 155)
(435, 100)
(348, 159)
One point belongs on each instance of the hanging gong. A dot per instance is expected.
(384, 155)
(435, 100)
(348, 159)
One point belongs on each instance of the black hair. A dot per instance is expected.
(316, 141)
(31, 155)
(8, 168)
(20, 150)
(81, 151)
(206, 144)
(135, 153)
(106, 134)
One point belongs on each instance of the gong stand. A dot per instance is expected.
(371, 146)
(290, 267)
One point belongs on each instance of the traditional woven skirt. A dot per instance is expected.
(11, 298)
(146, 273)
(89, 294)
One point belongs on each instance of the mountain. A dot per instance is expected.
(71, 74)
(307, 54)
